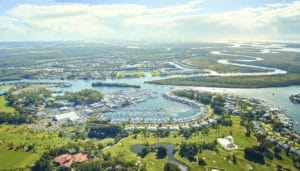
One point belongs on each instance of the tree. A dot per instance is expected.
(254, 155)
(61, 134)
(161, 152)
(218, 110)
(162, 133)
(202, 162)
(277, 153)
(31, 147)
(103, 130)
(188, 151)
(186, 133)
(89, 165)
(144, 152)
(234, 158)
(248, 132)
(171, 167)
(107, 156)
(86, 96)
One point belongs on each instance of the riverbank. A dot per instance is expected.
(234, 82)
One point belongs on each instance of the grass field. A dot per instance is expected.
(16, 159)
(22, 135)
(42, 141)
(4, 107)
(213, 159)
(19, 136)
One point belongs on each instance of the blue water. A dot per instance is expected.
(278, 97)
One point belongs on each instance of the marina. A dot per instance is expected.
(150, 85)
(155, 108)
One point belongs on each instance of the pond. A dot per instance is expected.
(137, 148)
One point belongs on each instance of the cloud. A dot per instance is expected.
(250, 18)
(10, 25)
(272, 20)
(132, 21)
(70, 10)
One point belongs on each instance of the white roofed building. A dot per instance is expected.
(227, 143)
(71, 116)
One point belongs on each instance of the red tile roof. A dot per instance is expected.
(67, 160)
(80, 157)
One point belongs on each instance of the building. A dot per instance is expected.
(80, 157)
(89, 112)
(71, 116)
(66, 160)
(204, 124)
(267, 117)
(227, 143)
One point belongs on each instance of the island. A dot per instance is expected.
(103, 84)
(233, 81)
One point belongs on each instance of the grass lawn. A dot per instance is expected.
(16, 159)
(4, 107)
(21, 135)
(220, 161)
(154, 164)
(42, 141)
(213, 159)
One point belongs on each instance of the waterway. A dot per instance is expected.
(278, 97)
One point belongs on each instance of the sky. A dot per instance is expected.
(152, 20)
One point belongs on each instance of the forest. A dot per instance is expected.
(86, 96)
(234, 82)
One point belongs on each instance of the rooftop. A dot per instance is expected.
(66, 160)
